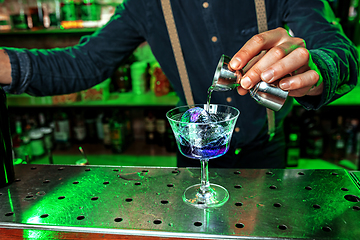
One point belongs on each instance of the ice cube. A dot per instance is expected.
(196, 115)
(203, 135)
(214, 118)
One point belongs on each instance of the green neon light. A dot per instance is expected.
(10, 201)
(45, 203)
(38, 234)
(6, 175)
(293, 137)
(237, 151)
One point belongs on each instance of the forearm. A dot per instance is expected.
(332, 52)
(46, 72)
(5, 68)
(339, 75)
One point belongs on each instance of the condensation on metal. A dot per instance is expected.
(263, 204)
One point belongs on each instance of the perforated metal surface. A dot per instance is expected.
(289, 204)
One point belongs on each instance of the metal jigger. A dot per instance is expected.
(267, 95)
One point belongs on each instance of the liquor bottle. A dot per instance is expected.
(41, 121)
(21, 142)
(19, 14)
(90, 124)
(129, 132)
(37, 143)
(36, 13)
(17, 142)
(160, 127)
(68, 11)
(26, 141)
(339, 140)
(5, 23)
(170, 142)
(52, 13)
(7, 173)
(106, 129)
(99, 127)
(139, 77)
(48, 138)
(314, 138)
(121, 79)
(62, 131)
(150, 128)
(352, 141)
(147, 77)
(79, 128)
(293, 150)
(292, 138)
(90, 13)
(43, 126)
(160, 84)
(117, 130)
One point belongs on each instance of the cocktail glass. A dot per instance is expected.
(204, 141)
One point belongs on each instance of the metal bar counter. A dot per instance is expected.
(109, 202)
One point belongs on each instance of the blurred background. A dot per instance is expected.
(122, 120)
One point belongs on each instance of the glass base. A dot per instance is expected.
(215, 196)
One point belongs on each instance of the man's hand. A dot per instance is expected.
(5, 68)
(276, 57)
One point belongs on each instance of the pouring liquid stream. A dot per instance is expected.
(210, 90)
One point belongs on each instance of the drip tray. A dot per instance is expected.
(147, 201)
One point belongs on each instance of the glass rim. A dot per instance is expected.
(202, 104)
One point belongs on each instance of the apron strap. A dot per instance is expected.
(262, 27)
(175, 43)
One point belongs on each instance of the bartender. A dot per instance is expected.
(305, 48)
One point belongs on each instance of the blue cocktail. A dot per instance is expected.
(203, 132)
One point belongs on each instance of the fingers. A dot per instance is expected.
(254, 60)
(279, 59)
(300, 85)
(302, 69)
(273, 68)
(242, 91)
(256, 44)
(277, 63)
(271, 57)
(249, 65)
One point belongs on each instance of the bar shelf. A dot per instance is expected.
(115, 99)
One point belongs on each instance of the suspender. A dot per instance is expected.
(179, 58)
(261, 15)
(262, 27)
(175, 43)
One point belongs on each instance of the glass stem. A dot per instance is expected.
(205, 185)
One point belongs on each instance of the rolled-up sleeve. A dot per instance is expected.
(20, 71)
(334, 54)
(44, 72)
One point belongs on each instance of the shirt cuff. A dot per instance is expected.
(20, 71)
(328, 71)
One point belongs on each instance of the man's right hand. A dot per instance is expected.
(286, 60)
